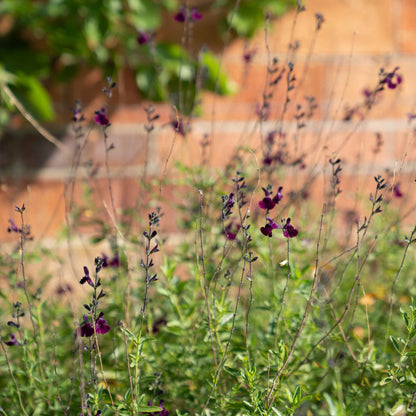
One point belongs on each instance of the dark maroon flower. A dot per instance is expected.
(158, 324)
(143, 37)
(396, 191)
(248, 55)
(278, 197)
(86, 277)
(13, 227)
(195, 15)
(100, 118)
(230, 201)
(181, 15)
(231, 231)
(267, 202)
(107, 262)
(392, 79)
(267, 230)
(178, 126)
(289, 231)
(101, 326)
(13, 341)
(268, 160)
(86, 329)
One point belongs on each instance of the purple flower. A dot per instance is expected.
(231, 231)
(143, 37)
(158, 324)
(248, 55)
(178, 126)
(114, 262)
(100, 118)
(396, 191)
(289, 231)
(267, 202)
(278, 197)
(13, 227)
(13, 340)
(392, 79)
(101, 325)
(195, 15)
(181, 15)
(267, 230)
(86, 329)
(86, 277)
(230, 202)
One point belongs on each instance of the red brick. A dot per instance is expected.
(372, 21)
(407, 28)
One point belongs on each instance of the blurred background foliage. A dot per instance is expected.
(51, 40)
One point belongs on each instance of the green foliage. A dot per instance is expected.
(228, 321)
(52, 40)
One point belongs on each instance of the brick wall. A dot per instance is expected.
(357, 38)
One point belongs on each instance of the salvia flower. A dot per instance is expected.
(267, 230)
(392, 79)
(267, 202)
(86, 277)
(13, 227)
(278, 197)
(101, 118)
(397, 191)
(289, 231)
(181, 15)
(178, 126)
(195, 15)
(13, 340)
(143, 37)
(107, 262)
(87, 330)
(101, 325)
(231, 231)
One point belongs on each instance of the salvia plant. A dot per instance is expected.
(262, 306)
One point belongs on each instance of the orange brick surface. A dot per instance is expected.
(357, 38)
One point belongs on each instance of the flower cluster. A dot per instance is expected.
(181, 15)
(289, 230)
(87, 330)
(96, 323)
(13, 340)
(391, 79)
(268, 203)
(269, 227)
(101, 118)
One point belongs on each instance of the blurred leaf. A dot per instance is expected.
(33, 96)
(214, 76)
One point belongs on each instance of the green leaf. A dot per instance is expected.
(33, 96)
(149, 409)
(217, 80)
(395, 344)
